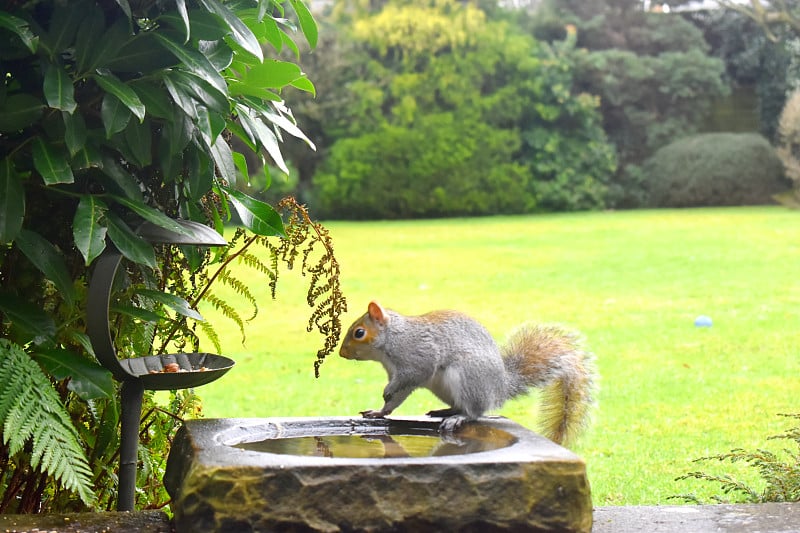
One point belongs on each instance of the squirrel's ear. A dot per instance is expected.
(377, 313)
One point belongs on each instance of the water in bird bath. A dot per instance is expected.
(387, 442)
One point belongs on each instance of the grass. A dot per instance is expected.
(632, 282)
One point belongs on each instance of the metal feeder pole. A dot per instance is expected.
(131, 397)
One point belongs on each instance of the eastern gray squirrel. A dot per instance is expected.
(455, 357)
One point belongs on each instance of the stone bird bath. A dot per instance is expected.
(355, 474)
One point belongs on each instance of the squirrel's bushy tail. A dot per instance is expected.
(553, 359)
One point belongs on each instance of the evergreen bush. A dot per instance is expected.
(444, 167)
(714, 169)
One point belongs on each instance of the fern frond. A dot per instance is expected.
(35, 413)
(226, 278)
(18, 425)
(256, 263)
(227, 310)
(211, 334)
(312, 242)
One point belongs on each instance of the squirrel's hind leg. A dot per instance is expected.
(452, 423)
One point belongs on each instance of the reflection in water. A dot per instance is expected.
(407, 442)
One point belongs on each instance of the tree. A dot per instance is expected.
(752, 60)
(652, 72)
(774, 18)
(94, 140)
(516, 132)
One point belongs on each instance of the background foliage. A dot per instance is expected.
(714, 169)
(465, 115)
(589, 91)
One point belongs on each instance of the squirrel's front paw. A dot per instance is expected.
(369, 413)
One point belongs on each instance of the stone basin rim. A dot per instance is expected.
(231, 431)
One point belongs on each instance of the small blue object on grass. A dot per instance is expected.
(703, 321)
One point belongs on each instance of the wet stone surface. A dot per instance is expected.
(218, 482)
(762, 518)
(140, 522)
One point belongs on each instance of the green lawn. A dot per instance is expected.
(632, 282)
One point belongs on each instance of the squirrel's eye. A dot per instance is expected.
(359, 333)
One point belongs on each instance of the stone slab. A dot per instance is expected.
(531, 485)
(749, 518)
(136, 522)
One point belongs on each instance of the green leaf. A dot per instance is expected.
(240, 33)
(202, 91)
(64, 26)
(290, 44)
(304, 84)
(21, 29)
(89, 235)
(154, 98)
(142, 53)
(223, 157)
(183, 99)
(88, 379)
(49, 261)
(152, 215)
(204, 127)
(139, 313)
(257, 216)
(87, 157)
(74, 132)
(114, 39)
(126, 8)
(27, 316)
(128, 243)
(241, 163)
(273, 73)
(265, 137)
(218, 53)
(111, 84)
(181, 5)
(200, 177)
(204, 26)
(114, 114)
(58, 89)
(12, 201)
(273, 33)
(87, 43)
(287, 125)
(238, 88)
(194, 61)
(176, 303)
(307, 22)
(176, 135)
(122, 183)
(243, 135)
(51, 163)
(19, 111)
(138, 141)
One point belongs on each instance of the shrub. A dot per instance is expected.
(441, 168)
(714, 169)
(779, 473)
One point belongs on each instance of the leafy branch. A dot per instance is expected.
(304, 240)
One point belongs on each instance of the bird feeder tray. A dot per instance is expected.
(177, 371)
